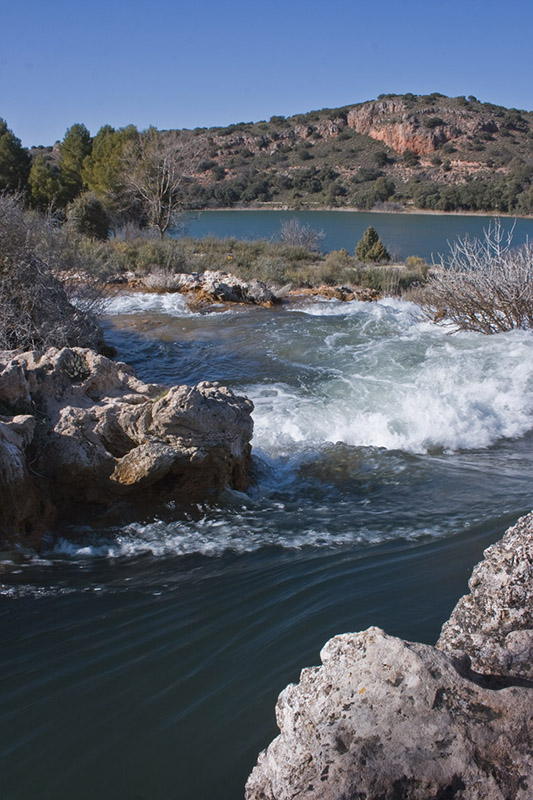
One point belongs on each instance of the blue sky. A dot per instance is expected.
(188, 64)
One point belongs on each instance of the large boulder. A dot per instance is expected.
(384, 719)
(103, 435)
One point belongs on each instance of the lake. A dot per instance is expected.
(424, 235)
(143, 661)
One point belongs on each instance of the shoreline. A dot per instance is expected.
(349, 209)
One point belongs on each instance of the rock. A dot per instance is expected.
(384, 719)
(105, 435)
(494, 623)
(212, 285)
(24, 515)
(399, 125)
(344, 293)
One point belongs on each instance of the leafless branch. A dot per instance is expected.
(485, 285)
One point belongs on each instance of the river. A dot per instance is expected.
(143, 662)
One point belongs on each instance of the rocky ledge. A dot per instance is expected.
(385, 719)
(77, 428)
(202, 289)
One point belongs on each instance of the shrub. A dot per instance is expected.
(296, 234)
(371, 249)
(34, 308)
(87, 215)
(485, 285)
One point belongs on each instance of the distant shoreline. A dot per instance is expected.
(407, 211)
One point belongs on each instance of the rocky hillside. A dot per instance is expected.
(425, 151)
(399, 151)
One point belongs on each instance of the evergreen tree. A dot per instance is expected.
(103, 171)
(75, 147)
(371, 248)
(15, 161)
(44, 187)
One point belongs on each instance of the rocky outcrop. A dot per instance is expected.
(84, 429)
(25, 513)
(204, 288)
(494, 622)
(384, 719)
(344, 293)
(402, 132)
(421, 131)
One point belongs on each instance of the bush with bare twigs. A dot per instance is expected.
(485, 284)
(35, 311)
(295, 234)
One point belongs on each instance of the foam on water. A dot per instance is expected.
(354, 402)
(241, 533)
(392, 380)
(172, 303)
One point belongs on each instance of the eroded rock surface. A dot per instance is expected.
(384, 719)
(94, 433)
(213, 285)
(494, 622)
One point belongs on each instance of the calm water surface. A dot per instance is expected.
(143, 660)
(425, 235)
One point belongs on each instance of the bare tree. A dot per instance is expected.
(485, 285)
(156, 167)
(297, 234)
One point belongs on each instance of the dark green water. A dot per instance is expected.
(424, 235)
(143, 661)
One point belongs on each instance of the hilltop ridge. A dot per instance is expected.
(398, 152)
(427, 151)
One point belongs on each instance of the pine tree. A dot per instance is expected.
(103, 171)
(15, 161)
(371, 249)
(44, 187)
(75, 147)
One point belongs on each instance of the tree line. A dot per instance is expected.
(95, 183)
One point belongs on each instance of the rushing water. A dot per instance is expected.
(143, 661)
(425, 235)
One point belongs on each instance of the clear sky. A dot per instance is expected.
(176, 64)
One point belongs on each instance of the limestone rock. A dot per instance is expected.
(494, 623)
(403, 128)
(105, 435)
(213, 285)
(385, 719)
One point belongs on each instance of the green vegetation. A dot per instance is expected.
(371, 248)
(453, 154)
(87, 215)
(15, 161)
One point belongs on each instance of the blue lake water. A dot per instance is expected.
(425, 235)
(142, 661)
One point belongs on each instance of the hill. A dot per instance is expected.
(428, 152)
(396, 152)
